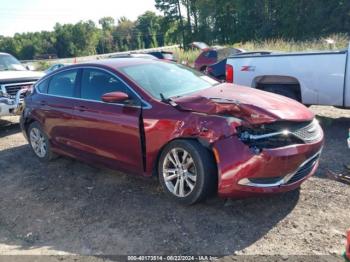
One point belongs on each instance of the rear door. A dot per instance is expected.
(105, 132)
(55, 101)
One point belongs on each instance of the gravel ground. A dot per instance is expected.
(68, 207)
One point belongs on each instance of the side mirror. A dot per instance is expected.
(30, 67)
(115, 97)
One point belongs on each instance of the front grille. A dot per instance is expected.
(304, 170)
(12, 89)
(281, 134)
(309, 133)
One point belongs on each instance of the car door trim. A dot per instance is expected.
(145, 104)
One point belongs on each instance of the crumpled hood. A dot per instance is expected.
(14, 75)
(249, 104)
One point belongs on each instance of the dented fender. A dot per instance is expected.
(207, 129)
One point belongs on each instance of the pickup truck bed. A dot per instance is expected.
(313, 78)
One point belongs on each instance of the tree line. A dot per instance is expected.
(86, 38)
(231, 21)
(184, 21)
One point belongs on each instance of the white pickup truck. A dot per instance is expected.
(15, 80)
(313, 78)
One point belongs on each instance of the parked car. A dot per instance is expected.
(164, 55)
(197, 135)
(213, 55)
(15, 80)
(218, 70)
(54, 67)
(313, 78)
(133, 55)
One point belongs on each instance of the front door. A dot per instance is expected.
(107, 132)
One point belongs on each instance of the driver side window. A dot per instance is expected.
(95, 83)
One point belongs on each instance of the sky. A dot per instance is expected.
(18, 16)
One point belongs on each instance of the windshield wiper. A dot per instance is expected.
(168, 101)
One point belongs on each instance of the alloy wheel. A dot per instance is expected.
(179, 172)
(38, 142)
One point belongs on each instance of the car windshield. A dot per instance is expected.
(8, 62)
(167, 79)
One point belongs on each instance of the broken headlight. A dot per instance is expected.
(266, 136)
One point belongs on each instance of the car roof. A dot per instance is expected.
(122, 62)
(112, 63)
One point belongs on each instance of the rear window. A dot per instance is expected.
(210, 54)
(63, 84)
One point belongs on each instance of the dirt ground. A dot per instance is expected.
(68, 207)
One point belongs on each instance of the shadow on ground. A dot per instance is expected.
(8, 128)
(335, 153)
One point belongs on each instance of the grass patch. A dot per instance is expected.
(341, 41)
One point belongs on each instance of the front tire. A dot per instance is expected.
(39, 142)
(187, 171)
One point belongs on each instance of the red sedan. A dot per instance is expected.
(154, 118)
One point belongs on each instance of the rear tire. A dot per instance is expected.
(39, 142)
(187, 171)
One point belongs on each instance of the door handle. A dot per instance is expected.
(43, 103)
(80, 108)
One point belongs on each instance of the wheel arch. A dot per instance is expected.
(27, 122)
(292, 83)
(199, 140)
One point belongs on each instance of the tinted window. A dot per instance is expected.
(42, 86)
(157, 54)
(210, 54)
(206, 54)
(63, 83)
(213, 54)
(96, 83)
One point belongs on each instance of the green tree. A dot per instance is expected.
(149, 27)
(123, 35)
(172, 12)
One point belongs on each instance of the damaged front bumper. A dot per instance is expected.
(12, 106)
(244, 171)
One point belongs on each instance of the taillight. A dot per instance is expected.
(229, 73)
